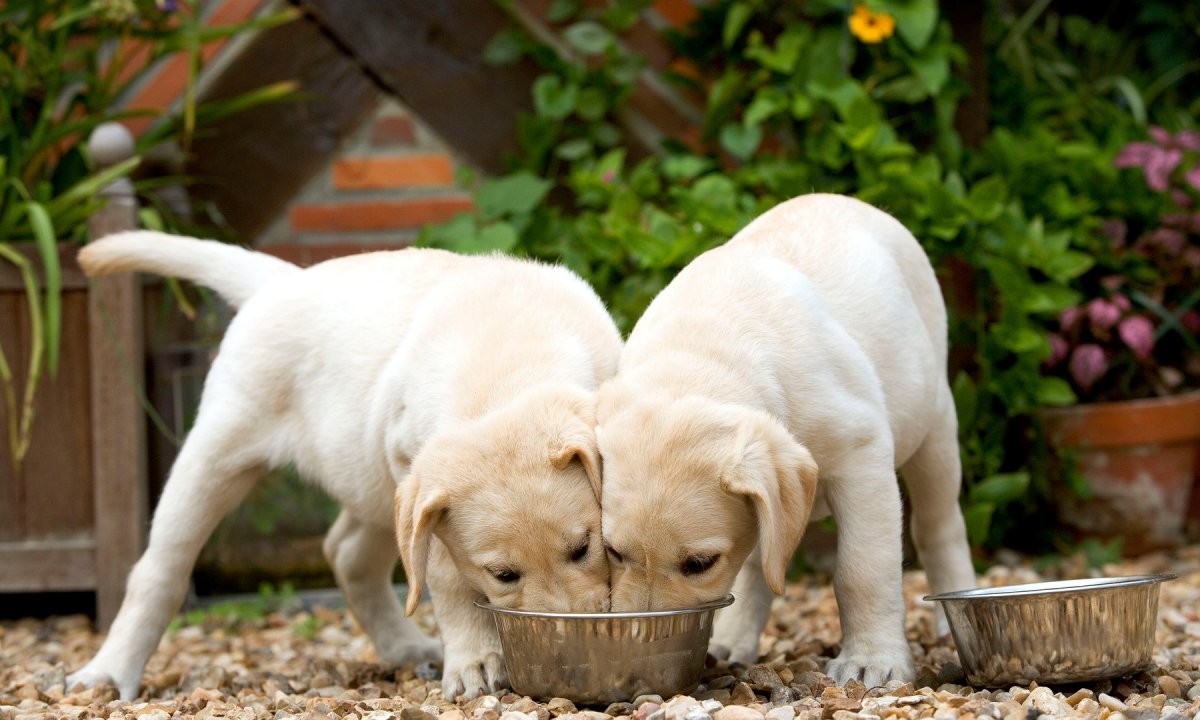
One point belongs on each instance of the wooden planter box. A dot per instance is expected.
(74, 516)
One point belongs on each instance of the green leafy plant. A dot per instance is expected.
(803, 97)
(64, 64)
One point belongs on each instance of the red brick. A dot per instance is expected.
(379, 215)
(393, 130)
(166, 85)
(393, 172)
(676, 12)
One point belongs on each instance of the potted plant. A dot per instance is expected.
(1131, 352)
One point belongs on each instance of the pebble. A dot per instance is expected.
(737, 712)
(1169, 685)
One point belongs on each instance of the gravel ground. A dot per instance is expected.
(296, 664)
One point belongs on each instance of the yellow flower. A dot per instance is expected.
(871, 27)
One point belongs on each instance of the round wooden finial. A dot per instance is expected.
(110, 144)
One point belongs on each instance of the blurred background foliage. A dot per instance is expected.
(830, 96)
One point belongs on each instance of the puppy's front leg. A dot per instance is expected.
(868, 582)
(739, 626)
(473, 663)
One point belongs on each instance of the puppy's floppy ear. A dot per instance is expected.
(418, 511)
(576, 440)
(779, 476)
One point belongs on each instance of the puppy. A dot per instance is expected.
(780, 377)
(463, 387)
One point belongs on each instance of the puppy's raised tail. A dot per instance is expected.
(235, 273)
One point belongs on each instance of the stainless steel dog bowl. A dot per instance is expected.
(1054, 632)
(600, 658)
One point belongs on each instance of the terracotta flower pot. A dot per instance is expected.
(1140, 459)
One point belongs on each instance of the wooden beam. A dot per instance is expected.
(253, 163)
(118, 423)
(47, 565)
(72, 277)
(429, 54)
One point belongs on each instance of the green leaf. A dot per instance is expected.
(497, 237)
(1054, 392)
(802, 106)
(589, 37)
(933, 68)
(684, 167)
(978, 518)
(1067, 265)
(591, 104)
(43, 235)
(574, 149)
(741, 141)
(735, 20)
(503, 49)
(986, 198)
(783, 57)
(1000, 489)
(1020, 339)
(915, 20)
(1048, 299)
(562, 10)
(552, 99)
(766, 102)
(515, 194)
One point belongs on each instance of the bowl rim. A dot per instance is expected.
(726, 601)
(1051, 587)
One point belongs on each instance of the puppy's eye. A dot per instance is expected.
(581, 552)
(613, 554)
(505, 575)
(697, 564)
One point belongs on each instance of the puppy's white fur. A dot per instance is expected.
(463, 386)
(792, 369)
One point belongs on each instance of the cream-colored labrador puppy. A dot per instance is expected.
(462, 387)
(791, 370)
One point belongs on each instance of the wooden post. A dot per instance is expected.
(118, 423)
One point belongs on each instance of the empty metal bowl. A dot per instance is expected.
(601, 658)
(1067, 631)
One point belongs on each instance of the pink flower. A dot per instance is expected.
(1156, 163)
(1115, 231)
(1088, 365)
(1058, 349)
(1138, 333)
(1122, 302)
(1191, 321)
(1168, 239)
(1068, 317)
(1103, 314)
(1193, 177)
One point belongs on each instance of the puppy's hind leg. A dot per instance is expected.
(738, 627)
(211, 475)
(363, 557)
(933, 476)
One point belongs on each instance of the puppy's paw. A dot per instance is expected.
(872, 669)
(412, 650)
(472, 674)
(744, 653)
(92, 674)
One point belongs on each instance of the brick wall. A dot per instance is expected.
(393, 176)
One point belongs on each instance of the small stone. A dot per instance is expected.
(737, 712)
(451, 714)
(617, 709)
(507, 715)
(783, 695)
(640, 699)
(561, 706)
(764, 677)
(1079, 695)
(484, 702)
(1111, 703)
(742, 695)
(415, 713)
(646, 709)
(28, 692)
(784, 712)
(1194, 692)
(1169, 686)
(711, 706)
(723, 682)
